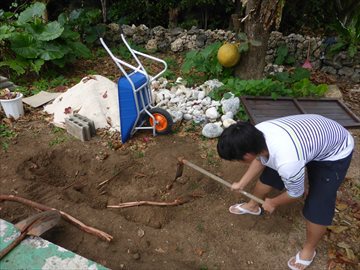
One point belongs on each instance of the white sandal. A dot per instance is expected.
(238, 210)
(300, 261)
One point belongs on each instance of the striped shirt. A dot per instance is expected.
(293, 141)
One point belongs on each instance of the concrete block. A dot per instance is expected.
(89, 122)
(77, 129)
(80, 127)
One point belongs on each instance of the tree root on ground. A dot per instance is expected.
(179, 201)
(66, 216)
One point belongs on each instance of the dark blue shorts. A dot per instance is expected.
(324, 178)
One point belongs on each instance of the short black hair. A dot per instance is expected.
(239, 139)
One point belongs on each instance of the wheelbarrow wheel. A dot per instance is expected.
(163, 120)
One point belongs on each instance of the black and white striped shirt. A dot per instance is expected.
(293, 141)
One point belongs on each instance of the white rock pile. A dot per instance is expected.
(194, 104)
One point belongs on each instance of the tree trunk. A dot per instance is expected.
(206, 16)
(173, 17)
(103, 10)
(261, 15)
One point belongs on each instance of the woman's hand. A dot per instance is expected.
(269, 205)
(237, 186)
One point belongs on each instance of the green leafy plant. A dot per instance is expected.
(284, 84)
(305, 88)
(5, 135)
(44, 84)
(60, 136)
(283, 57)
(299, 83)
(28, 42)
(348, 36)
(294, 84)
(169, 73)
(238, 87)
(202, 65)
(87, 22)
(291, 77)
(57, 140)
(187, 24)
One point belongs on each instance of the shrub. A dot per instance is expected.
(202, 65)
(27, 41)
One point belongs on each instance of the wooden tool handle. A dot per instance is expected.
(222, 181)
(12, 245)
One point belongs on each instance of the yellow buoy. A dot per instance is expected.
(228, 55)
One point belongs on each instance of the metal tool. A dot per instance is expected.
(180, 169)
(34, 225)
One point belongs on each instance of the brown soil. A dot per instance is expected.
(48, 166)
(51, 167)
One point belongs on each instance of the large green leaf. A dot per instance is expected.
(24, 45)
(282, 77)
(51, 31)
(17, 66)
(62, 19)
(52, 51)
(79, 49)
(45, 32)
(300, 73)
(37, 64)
(281, 53)
(35, 10)
(69, 34)
(6, 31)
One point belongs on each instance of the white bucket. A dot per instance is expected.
(13, 107)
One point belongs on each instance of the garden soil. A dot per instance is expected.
(46, 165)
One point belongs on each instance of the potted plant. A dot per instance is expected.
(11, 103)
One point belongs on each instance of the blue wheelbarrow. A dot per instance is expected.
(135, 99)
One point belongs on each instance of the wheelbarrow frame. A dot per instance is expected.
(141, 94)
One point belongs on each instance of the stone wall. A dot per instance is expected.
(339, 64)
(178, 40)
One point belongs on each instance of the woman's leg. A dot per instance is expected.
(259, 191)
(269, 180)
(314, 233)
(325, 178)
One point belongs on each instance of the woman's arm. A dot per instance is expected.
(254, 170)
(284, 198)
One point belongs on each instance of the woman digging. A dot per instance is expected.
(278, 151)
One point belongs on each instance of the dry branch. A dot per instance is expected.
(137, 203)
(108, 180)
(66, 216)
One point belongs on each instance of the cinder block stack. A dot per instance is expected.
(80, 127)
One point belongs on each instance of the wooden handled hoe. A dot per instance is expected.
(34, 225)
(180, 169)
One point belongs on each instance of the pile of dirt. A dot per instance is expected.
(94, 97)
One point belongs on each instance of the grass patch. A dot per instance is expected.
(60, 136)
(6, 134)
